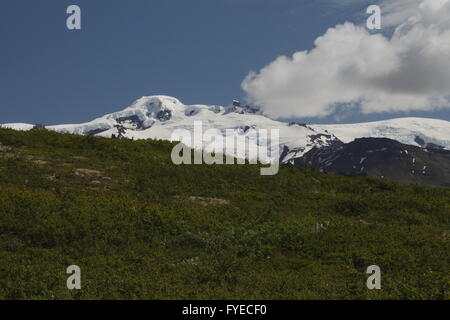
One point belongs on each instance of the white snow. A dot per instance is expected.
(404, 130)
(17, 126)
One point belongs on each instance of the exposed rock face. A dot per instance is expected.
(382, 158)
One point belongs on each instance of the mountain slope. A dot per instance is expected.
(383, 158)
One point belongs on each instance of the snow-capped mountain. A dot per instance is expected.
(157, 117)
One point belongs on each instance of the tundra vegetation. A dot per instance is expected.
(141, 227)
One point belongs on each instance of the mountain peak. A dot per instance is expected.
(157, 103)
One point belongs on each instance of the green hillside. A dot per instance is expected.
(141, 228)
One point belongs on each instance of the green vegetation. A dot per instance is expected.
(141, 228)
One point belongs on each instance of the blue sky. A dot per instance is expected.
(198, 51)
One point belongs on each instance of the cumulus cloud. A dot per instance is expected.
(354, 68)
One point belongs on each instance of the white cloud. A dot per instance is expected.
(354, 68)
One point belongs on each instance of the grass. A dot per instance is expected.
(140, 227)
